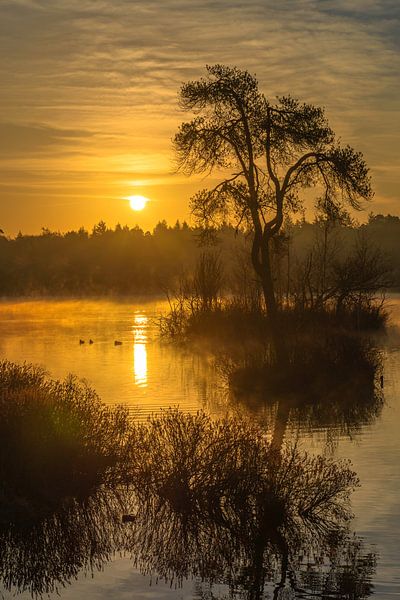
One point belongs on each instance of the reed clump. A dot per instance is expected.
(232, 319)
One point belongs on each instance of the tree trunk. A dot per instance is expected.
(272, 310)
(281, 423)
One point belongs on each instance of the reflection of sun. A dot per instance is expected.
(140, 329)
(140, 364)
(137, 202)
(139, 350)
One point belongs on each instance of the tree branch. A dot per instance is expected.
(268, 152)
(296, 165)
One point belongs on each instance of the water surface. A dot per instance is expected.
(139, 372)
(148, 375)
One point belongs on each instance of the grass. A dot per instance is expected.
(224, 321)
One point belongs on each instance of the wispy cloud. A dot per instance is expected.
(26, 140)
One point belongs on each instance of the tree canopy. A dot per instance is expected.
(266, 154)
(273, 150)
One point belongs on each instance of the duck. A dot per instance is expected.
(128, 518)
(91, 342)
(81, 342)
(117, 343)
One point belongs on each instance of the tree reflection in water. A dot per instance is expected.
(340, 404)
(264, 517)
(173, 546)
(80, 537)
(209, 499)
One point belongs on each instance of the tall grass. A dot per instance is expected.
(234, 319)
(197, 294)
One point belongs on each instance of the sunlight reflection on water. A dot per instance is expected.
(140, 364)
(139, 349)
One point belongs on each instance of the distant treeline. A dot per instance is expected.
(131, 261)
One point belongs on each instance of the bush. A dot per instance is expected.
(61, 439)
(212, 494)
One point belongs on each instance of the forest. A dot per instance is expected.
(129, 261)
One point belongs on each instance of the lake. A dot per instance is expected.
(147, 375)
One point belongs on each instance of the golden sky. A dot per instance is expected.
(89, 95)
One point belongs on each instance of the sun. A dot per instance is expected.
(138, 202)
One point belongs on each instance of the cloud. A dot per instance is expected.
(18, 140)
(114, 67)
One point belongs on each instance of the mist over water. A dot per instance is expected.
(140, 372)
(147, 375)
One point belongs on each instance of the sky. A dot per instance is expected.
(89, 95)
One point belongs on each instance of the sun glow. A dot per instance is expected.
(137, 202)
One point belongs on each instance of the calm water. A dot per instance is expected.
(141, 372)
(147, 375)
